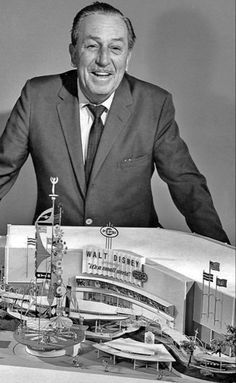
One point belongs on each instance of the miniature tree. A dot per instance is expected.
(217, 345)
(105, 363)
(189, 346)
(230, 339)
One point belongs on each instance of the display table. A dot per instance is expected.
(173, 264)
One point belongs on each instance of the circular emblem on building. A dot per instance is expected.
(140, 275)
(109, 231)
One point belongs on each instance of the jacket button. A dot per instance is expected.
(89, 221)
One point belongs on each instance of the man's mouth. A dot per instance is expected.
(101, 74)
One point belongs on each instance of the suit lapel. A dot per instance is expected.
(116, 122)
(68, 110)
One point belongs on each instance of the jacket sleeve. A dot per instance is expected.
(14, 142)
(188, 187)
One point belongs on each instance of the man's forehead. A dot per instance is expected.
(99, 23)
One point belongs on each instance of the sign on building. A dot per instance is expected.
(112, 263)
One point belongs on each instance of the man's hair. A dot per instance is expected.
(102, 8)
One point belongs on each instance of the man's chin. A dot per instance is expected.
(101, 89)
(100, 93)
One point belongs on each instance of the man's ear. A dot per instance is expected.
(128, 60)
(72, 55)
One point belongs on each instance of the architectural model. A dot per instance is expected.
(154, 298)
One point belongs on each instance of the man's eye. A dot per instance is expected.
(91, 46)
(116, 49)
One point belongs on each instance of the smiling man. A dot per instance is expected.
(101, 54)
(103, 132)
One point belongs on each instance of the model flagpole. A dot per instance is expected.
(220, 283)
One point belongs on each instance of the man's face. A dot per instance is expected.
(101, 55)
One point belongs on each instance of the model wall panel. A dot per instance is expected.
(218, 314)
(170, 288)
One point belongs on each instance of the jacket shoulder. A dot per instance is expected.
(138, 85)
(50, 82)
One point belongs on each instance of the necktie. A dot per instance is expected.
(94, 137)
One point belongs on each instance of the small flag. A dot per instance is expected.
(214, 266)
(207, 276)
(31, 241)
(221, 282)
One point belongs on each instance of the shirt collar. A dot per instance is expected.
(84, 101)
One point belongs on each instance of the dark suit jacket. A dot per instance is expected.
(140, 133)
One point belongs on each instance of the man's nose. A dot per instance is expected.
(103, 57)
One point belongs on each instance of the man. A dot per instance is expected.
(54, 121)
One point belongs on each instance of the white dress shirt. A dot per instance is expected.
(86, 118)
